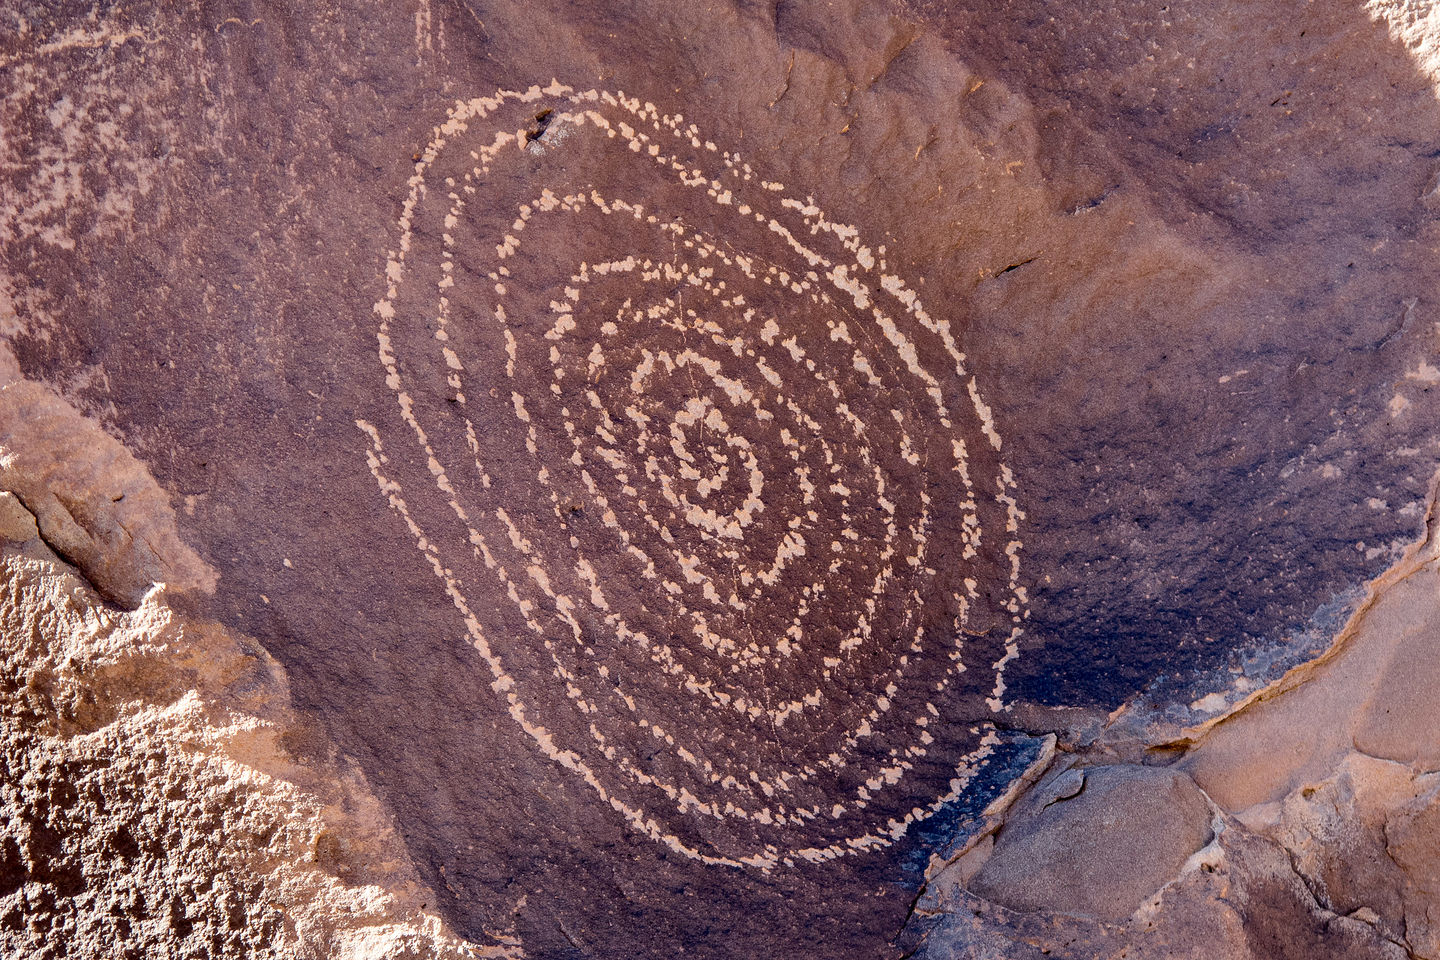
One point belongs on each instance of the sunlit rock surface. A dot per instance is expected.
(739, 479)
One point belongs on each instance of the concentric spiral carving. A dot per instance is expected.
(720, 505)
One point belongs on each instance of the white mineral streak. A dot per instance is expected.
(664, 482)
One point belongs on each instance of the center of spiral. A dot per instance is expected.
(706, 467)
(751, 532)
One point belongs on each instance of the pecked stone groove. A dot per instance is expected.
(733, 477)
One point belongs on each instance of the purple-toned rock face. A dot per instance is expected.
(713, 492)
(695, 465)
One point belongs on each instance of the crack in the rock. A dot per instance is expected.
(885, 67)
(1419, 555)
(788, 69)
(78, 567)
(1415, 770)
(912, 910)
(1014, 266)
(1390, 855)
(55, 548)
(1071, 796)
(1330, 915)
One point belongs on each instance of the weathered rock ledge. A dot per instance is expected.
(161, 798)
(1301, 823)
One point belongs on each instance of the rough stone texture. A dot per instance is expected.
(1108, 837)
(160, 797)
(699, 461)
(1335, 706)
(1239, 899)
(159, 800)
(1324, 848)
(96, 506)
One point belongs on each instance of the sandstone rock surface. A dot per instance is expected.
(1108, 837)
(160, 796)
(1318, 850)
(670, 478)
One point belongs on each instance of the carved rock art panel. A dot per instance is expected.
(721, 508)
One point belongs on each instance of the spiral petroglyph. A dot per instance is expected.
(721, 507)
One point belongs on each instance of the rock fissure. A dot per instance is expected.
(59, 550)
